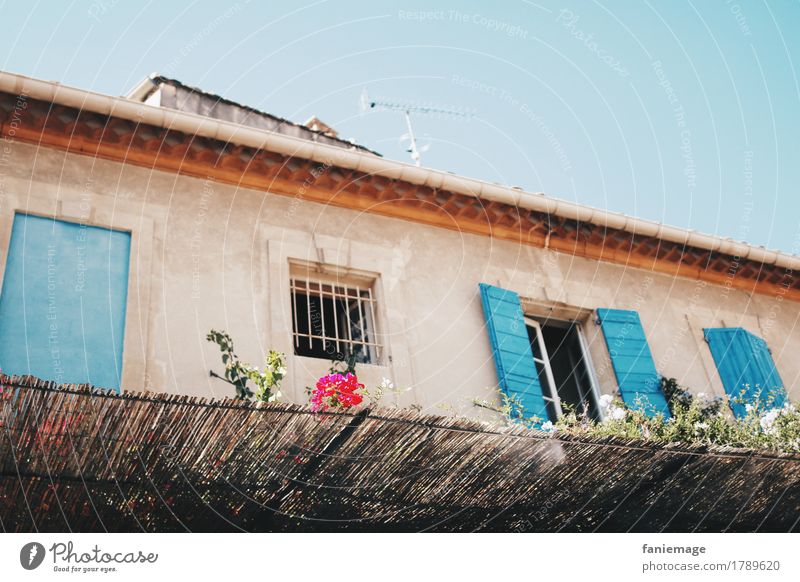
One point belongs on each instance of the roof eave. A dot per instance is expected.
(354, 159)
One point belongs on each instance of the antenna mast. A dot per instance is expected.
(407, 109)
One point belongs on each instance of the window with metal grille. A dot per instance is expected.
(332, 320)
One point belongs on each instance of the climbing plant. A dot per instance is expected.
(240, 374)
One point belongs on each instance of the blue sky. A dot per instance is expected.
(682, 112)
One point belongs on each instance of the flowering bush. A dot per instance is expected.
(695, 419)
(268, 380)
(699, 419)
(338, 391)
(239, 374)
(375, 394)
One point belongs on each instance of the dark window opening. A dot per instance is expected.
(333, 322)
(564, 371)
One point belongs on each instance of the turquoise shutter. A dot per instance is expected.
(62, 307)
(638, 380)
(745, 367)
(511, 348)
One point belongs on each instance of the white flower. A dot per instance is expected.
(768, 421)
(610, 410)
(617, 413)
(548, 427)
(700, 425)
(281, 371)
(386, 384)
(704, 400)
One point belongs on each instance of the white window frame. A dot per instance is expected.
(552, 396)
(590, 371)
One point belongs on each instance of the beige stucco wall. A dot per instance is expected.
(211, 255)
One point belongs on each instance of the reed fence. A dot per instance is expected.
(76, 459)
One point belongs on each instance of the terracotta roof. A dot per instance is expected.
(117, 129)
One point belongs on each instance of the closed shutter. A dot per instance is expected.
(638, 380)
(745, 367)
(511, 348)
(62, 307)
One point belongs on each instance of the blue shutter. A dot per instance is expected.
(62, 307)
(745, 367)
(511, 348)
(638, 380)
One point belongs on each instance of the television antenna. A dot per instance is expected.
(417, 109)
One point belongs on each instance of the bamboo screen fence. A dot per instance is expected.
(75, 459)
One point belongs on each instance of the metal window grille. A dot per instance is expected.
(334, 321)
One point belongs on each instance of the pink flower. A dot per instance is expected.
(336, 391)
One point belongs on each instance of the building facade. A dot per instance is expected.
(130, 227)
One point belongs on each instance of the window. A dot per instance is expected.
(333, 318)
(564, 368)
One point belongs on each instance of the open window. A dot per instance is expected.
(564, 367)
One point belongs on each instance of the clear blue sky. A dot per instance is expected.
(682, 112)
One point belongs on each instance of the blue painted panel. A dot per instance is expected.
(62, 307)
(511, 348)
(638, 380)
(745, 367)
